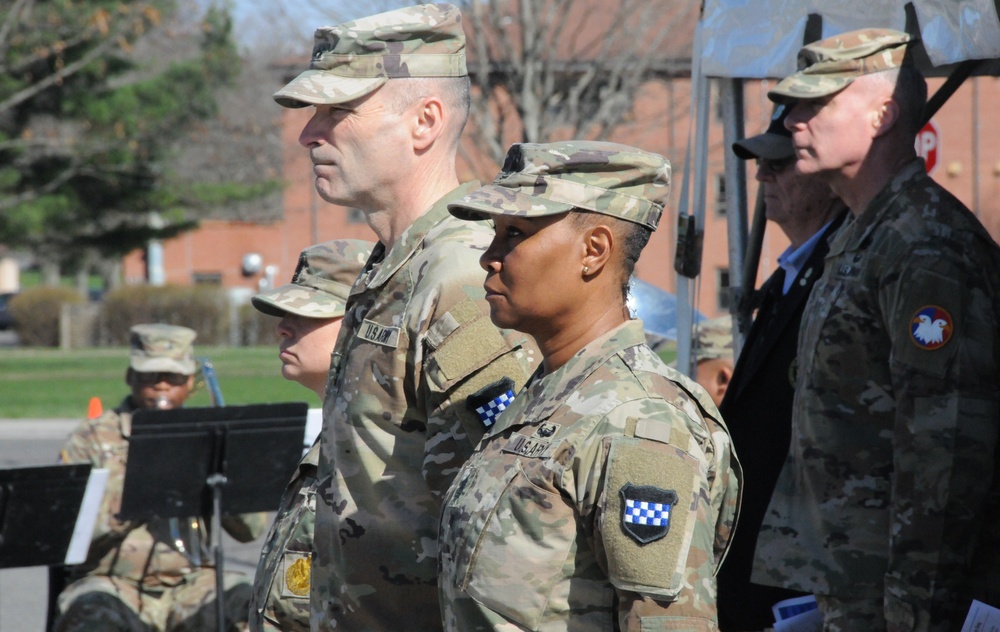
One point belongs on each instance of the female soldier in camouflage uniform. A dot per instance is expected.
(605, 494)
(311, 309)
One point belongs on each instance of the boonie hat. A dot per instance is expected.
(350, 60)
(160, 348)
(831, 64)
(774, 144)
(321, 283)
(552, 178)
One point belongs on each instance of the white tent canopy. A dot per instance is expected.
(737, 44)
(760, 39)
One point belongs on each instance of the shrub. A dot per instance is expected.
(202, 308)
(36, 314)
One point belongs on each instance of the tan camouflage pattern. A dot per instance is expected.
(888, 489)
(350, 60)
(552, 178)
(157, 347)
(321, 283)
(153, 562)
(531, 532)
(831, 64)
(415, 345)
(280, 599)
(714, 339)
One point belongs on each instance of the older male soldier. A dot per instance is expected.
(418, 371)
(311, 309)
(886, 506)
(758, 403)
(156, 575)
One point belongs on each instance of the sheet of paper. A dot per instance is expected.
(788, 608)
(314, 424)
(982, 618)
(87, 518)
(810, 621)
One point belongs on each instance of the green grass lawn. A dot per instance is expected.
(43, 383)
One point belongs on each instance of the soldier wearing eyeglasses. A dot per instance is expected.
(154, 575)
(758, 399)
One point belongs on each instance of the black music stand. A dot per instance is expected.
(211, 461)
(38, 513)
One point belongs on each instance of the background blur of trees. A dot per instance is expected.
(97, 101)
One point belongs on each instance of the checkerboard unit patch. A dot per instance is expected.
(488, 412)
(646, 512)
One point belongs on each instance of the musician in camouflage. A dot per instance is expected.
(311, 309)
(156, 575)
(887, 505)
(604, 496)
(417, 352)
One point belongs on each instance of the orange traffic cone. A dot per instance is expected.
(95, 409)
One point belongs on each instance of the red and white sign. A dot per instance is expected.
(928, 143)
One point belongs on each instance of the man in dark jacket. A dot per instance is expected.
(757, 405)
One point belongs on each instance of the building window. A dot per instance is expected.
(722, 288)
(719, 189)
(207, 278)
(356, 216)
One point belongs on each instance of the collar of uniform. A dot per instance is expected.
(546, 393)
(873, 215)
(124, 412)
(412, 239)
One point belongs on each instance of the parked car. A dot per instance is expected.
(6, 322)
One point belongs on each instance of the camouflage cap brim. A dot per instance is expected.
(540, 179)
(163, 365)
(830, 65)
(352, 59)
(299, 300)
(497, 200)
(321, 87)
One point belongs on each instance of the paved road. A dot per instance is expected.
(23, 591)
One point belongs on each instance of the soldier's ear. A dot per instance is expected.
(598, 244)
(886, 117)
(428, 122)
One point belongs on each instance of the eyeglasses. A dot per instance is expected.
(776, 166)
(151, 379)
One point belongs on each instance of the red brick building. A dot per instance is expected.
(967, 164)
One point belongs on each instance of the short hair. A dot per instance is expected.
(454, 91)
(632, 236)
(909, 91)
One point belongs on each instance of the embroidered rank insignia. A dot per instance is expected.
(646, 512)
(931, 327)
(489, 401)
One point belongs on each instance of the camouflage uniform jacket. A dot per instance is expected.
(416, 350)
(538, 530)
(888, 483)
(155, 553)
(280, 599)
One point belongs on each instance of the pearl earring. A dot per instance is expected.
(586, 269)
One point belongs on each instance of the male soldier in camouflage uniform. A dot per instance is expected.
(154, 575)
(311, 309)
(604, 496)
(886, 506)
(417, 353)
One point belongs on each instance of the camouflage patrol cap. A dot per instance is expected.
(714, 339)
(774, 144)
(831, 64)
(321, 283)
(159, 348)
(552, 178)
(350, 60)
